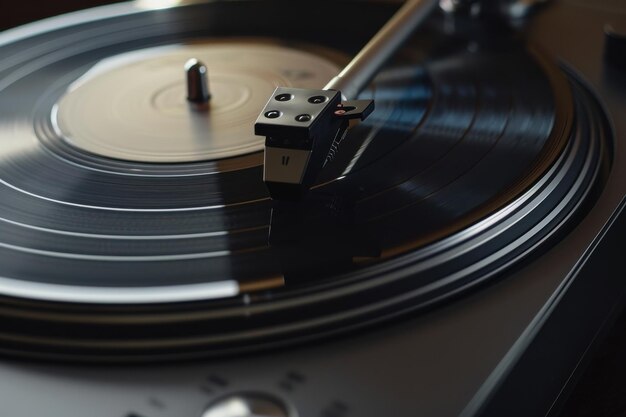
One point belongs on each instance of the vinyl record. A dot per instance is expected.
(135, 227)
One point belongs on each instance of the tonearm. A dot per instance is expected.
(304, 128)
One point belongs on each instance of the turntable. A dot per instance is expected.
(457, 252)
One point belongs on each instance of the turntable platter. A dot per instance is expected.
(116, 242)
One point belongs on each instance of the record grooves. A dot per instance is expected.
(462, 172)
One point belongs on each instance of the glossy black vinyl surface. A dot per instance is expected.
(462, 170)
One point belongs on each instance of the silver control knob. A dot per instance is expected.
(248, 404)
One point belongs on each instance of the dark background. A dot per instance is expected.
(601, 391)
(17, 12)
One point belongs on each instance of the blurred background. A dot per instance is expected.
(15, 13)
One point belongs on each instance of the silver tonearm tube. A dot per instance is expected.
(360, 71)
